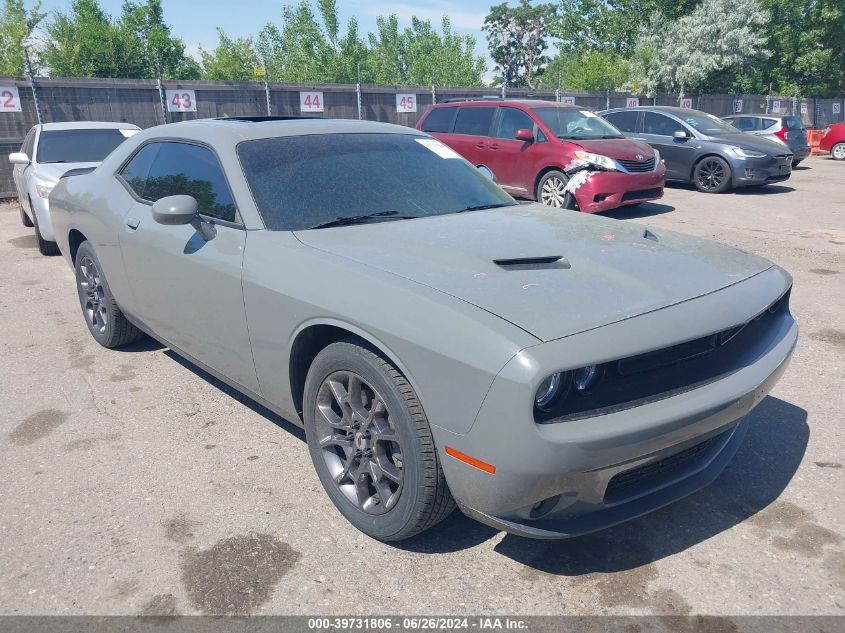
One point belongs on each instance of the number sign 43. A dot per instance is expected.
(181, 100)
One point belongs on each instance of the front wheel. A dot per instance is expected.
(837, 152)
(712, 175)
(551, 191)
(24, 217)
(45, 247)
(371, 444)
(107, 324)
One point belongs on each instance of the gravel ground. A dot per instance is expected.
(130, 482)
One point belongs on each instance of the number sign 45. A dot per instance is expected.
(406, 103)
(181, 100)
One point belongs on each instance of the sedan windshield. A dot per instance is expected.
(707, 123)
(572, 123)
(79, 146)
(323, 180)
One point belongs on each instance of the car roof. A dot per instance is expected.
(237, 129)
(89, 125)
(528, 103)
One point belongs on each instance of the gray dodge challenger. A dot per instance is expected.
(550, 373)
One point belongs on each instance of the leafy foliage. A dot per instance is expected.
(517, 40)
(16, 26)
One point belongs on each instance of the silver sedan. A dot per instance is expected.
(550, 373)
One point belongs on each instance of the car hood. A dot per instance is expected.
(52, 172)
(611, 270)
(753, 142)
(617, 148)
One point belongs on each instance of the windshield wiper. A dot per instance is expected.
(482, 207)
(51, 161)
(355, 219)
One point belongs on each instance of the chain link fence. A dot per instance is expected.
(144, 102)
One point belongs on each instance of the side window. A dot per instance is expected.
(439, 120)
(475, 121)
(624, 121)
(654, 123)
(744, 123)
(792, 123)
(511, 120)
(768, 123)
(28, 146)
(136, 170)
(185, 169)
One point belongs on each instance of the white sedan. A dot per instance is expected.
(48, 152)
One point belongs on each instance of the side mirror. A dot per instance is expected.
(525, 135)
(681, 135)
(19, 158)
(175, 210)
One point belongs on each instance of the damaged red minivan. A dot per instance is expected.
(562, 155)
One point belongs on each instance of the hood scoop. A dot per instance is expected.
(551, 262)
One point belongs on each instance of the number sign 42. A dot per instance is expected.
(181, 100)
(10, 99)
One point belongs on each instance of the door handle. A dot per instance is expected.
(133, 223)
(481, 145)
(494, 146)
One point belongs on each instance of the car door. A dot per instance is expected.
(19, 172)
(188, 290)
(678, 153)
(471, 134)
(513, 162)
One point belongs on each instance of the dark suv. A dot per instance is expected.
(702, 149)
(561, 155)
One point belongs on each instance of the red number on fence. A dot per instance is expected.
(312, 103)
(406, 103)
(181, 100)
(8, 99)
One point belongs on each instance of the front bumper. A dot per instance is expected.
(605, 190)
(568, 478)
(761, 171)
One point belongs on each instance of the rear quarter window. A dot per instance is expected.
(439, 120)
(623, 121)
(792, 123)
(475, 121)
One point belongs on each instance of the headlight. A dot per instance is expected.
(605, 162)
(586, 377)
(43, 190)
(549, 390)
(747, 153)
(656, 159)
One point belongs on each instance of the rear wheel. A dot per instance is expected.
(107, 324)
(837, 152)
(712, 175)
(551, 191)
(24, 217)
(45, 247)
(371, 444)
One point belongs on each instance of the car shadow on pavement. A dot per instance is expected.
(644, 210)
(765, 463)
(766, 190)
(249, 403)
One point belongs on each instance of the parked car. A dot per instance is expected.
(785, 129)
(699, 148)
(551, 373)
(833, 141)
(561, 155)
(48, 151)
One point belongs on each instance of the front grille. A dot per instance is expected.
(639, 195)
(638, 166)
(648, 477)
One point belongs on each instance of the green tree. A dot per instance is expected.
(16, 26)
(231, 59)
(516, 37)
(159, 51)
(707, 50)
(590, 70)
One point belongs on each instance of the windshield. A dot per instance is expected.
(79, 146)
(707, 123)
(303, 182)
(572, 123)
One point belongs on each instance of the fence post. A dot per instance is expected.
(267, 96)
(607, 100)
(557, 95)
(358, 94)
(504, 90)
(433, 91)
(31, 78)
(161, 100)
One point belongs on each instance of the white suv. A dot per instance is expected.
(49, 151)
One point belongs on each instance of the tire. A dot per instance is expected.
(24, 217)
(712, 175)
(549, 191)
(45, 247)
(107, 324)
(795, 163)
(401, 489)
(837, 152)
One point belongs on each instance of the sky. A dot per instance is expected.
(196, 22)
